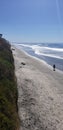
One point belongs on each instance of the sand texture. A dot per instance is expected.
(40, 94)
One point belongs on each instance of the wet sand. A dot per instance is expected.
(40, 93)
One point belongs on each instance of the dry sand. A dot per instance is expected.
(40, 94)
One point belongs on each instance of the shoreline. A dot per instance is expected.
(49, 60)
(40, 94)
(38, 59)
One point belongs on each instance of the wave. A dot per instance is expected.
(39, 47)
(25, 45)
(47, 51)
(47, 48)
(44, 50)
(48, 55)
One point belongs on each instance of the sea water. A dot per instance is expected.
(52, 53)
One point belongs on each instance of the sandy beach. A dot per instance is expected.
(40, 93)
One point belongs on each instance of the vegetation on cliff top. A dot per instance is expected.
(8, 89)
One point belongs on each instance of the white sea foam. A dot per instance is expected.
(25, 45)
(47, 48)
(48, 55)
(44, 50)
(47, 51)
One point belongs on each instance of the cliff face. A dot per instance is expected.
(8, 89)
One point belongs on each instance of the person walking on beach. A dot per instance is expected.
(54, 67)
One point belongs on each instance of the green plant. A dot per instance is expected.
(8, 89)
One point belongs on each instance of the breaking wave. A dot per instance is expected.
(44, 50)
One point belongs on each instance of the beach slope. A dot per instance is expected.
(40, 93)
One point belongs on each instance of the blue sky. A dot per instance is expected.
(32, 20)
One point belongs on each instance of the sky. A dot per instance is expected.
(32, 20)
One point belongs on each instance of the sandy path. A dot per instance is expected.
(40, 94)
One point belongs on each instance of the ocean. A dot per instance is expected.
(51, 53)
